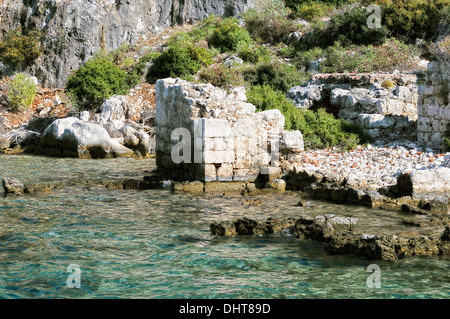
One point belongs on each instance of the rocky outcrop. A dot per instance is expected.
(340, 236)
(75, 138)
(247, 226)
(75, 29)
(116, 117)
(384, 104)
(323, 227)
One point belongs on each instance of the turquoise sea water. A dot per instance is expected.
(154, 244)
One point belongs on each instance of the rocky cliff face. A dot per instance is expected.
(75, 29)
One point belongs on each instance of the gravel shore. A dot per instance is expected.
(370, 167)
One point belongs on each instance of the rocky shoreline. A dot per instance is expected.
(421, 223)
(341, 236)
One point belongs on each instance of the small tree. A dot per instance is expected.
(96, 81)
(19, 48)
(22, 92)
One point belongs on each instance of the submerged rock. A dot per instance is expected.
(12, 186)
(338, 233)
(247, 226)
(322, 227)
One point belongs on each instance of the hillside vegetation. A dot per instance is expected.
(269, 49)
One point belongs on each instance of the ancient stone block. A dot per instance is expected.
(225, 172)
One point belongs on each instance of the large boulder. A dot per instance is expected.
(115, 119)
(75, 138)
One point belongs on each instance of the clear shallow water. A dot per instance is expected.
(154, 244)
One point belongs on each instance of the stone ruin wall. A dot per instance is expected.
(434, 103)
(227, 139)
(383, 111)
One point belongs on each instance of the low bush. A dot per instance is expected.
(116, 56)
(304, 58)
(137, 72)
(350, 27)
(387, 57)
(222, 76)
(182, 59)
(320, 129)
(204, 29)
(264, 97)
(254, 54)
(412, 19)
(280, 76)
(269, 21)
(22, 92)
(311, 10)
(21, 48)
(96, 81)
(229, 36)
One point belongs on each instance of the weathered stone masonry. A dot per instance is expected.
(434, 103)
(385, 112)
(227, 140)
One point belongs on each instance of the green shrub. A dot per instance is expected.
(350, 27)
(293, 4)
(127, 63)
(96, 81)
(22, 92)
(254, 54)
(116, 56)
(339, 60)
(204, 29)
(312, 10)
(412, 19)
(182, 59)
(19, 48)
(387, 57)
(287, 51)
(280, 76)
(304, 58)
(229, 36)
(269, 21)
(222, 76)
(264, 97)
(319, 129)
(136, 74)
(225, 34)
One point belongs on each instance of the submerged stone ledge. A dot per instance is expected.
(13, 187)
(340, 236)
